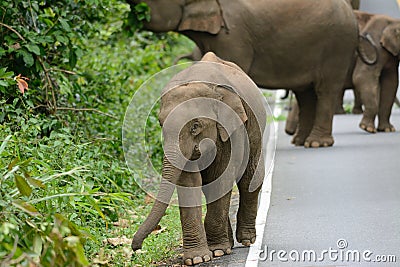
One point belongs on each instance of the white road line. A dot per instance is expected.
(265, 195)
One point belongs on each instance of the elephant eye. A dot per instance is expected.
(195, 129)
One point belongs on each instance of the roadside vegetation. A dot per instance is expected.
(68, 70)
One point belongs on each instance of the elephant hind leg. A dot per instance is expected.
(389, 83)
(306, 100)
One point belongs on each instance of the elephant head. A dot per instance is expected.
(380, 29)
(189, 115)
(390, 39)
(355, 4)
(183, 15)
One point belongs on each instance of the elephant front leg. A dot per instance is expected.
(357, 108)
(389, 84)
(249, 188)
(306, 101)
(367, 86)
(321, 133)
(195, 248)
(218, 227)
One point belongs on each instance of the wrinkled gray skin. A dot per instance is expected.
(374, 75)
(195, 55)
(377, 83)
(226, 82)
(279, 44)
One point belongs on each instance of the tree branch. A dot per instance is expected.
(65, 71)
(13, 30)
(87, 109)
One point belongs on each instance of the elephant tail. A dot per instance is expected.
(367, 49)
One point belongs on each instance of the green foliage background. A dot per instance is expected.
(64, 185)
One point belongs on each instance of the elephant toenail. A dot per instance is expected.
(307, 144)
(253, 240)
(197, 260)
(218, 253)
(228, 251)
(246, 243)
(188, 262)
(206, 258)
(315, 144)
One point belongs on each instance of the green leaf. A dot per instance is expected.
(62, 39)
(80, 255)
(33, 48)
(4, 83)
(65, 25)
(26, 207)
(12, 164)
(23, 186)
(4, 143)
(4, 74)
(27, 57)
(72, 58)
(34, 182)
(37, 244)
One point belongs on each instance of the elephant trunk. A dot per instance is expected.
(170, 175)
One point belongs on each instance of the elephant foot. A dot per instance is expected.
(246, 236)
(386, 128)
(290, 131)
(357, 110)
(368, 127)
(298, 140)
(196, 256)
(340, 110)
(219, 250)
(314, 141)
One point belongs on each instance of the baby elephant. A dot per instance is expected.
(213, 118)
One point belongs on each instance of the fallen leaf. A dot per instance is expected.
(158, 230)
(123, 223)
(117, 241)
(16, 46)
(100, 261)
(139, 251)
(148, 199)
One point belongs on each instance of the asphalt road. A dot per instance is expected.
(349, 193)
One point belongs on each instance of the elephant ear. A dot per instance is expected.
(367, 49)
(202, 15)
(227, 95)
(390, 40)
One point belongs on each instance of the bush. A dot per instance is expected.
(63, 179)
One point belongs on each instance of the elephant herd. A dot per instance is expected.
(315, 48)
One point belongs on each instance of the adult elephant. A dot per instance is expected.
(374, 72)
(280, 44)
(213, 119)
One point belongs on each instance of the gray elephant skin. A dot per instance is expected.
(279, 44)
(377, 83)
(374, 73)
(211, 110)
